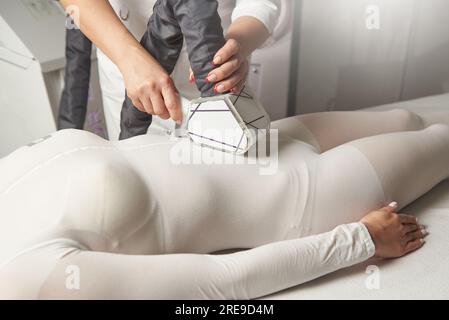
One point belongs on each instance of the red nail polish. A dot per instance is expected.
(215, 89)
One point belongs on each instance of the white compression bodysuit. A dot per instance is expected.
(129, 223)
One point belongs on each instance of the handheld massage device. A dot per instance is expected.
(229, 122)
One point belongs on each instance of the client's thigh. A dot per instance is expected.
(366, 174)
(408, 164)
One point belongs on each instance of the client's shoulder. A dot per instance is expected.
(46, 149)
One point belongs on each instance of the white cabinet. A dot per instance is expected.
(32, 63)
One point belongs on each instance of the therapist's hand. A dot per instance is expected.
(232, 68)
(149, 87)
(393, 234)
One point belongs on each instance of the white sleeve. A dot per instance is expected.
(265, 11)
(282, 265)
(242, 275)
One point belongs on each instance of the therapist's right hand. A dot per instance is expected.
(149, 87)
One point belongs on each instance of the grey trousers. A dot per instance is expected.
(73, 103)
(196, 21)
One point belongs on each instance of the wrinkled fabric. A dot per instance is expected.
(74, 99)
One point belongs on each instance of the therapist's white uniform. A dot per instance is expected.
(135, 14)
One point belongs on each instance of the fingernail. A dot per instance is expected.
(424, 232)
(192, 77)
(211, 77)
(216, 61)
(422, 241)
(394, 204)
(219, 88)
(234, 90)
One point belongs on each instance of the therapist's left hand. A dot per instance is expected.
(232, 68)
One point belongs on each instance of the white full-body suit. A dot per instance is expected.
(81, 217)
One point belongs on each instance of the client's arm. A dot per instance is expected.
(242, 275)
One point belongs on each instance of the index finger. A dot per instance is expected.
(173, 103)
(230, 49)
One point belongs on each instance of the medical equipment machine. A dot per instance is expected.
(32, 63)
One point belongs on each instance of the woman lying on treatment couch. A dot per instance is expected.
(84, 218)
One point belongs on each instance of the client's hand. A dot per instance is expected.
(393, 234)
(232, 68)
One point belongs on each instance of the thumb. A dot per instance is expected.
(392, 207)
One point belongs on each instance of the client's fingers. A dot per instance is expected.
(406, 218)
(413, 245)
(411, 228)
(412, 236)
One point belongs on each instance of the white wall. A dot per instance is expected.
(344, 64)
(427, 71)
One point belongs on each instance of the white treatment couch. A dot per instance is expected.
(423, 274)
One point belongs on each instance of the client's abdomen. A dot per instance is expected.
(210, 207)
